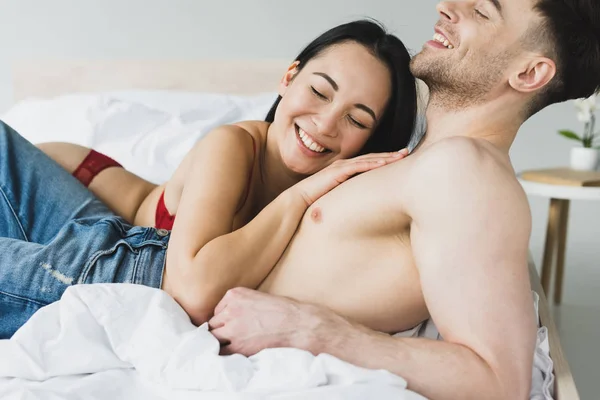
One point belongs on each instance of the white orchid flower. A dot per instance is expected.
(584, 116)
(591, 103)
(586, 107)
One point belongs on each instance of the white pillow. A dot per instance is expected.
(64, 119)
(149, 132)
(178, 101)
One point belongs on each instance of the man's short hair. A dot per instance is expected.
(570, 30)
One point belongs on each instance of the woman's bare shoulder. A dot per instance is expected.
(257, 129)
(237, 142)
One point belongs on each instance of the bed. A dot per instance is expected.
(565, 388)
(46, 79)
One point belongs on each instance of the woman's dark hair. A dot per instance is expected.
(396, 126)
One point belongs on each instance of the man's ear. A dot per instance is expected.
(288, 77)
(533, 75)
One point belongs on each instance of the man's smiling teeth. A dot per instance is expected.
(441, 39)
(309, 143)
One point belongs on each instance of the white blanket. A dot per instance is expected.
(132, 342)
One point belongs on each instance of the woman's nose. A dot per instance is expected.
(327, 123)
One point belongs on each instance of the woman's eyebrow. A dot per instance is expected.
(335, 87)
(329, 79)
(367, 110)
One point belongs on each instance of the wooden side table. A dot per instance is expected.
(560, 185)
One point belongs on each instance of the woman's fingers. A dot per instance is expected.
(359, 166)
(371, 161)
(388, 157)
(400, 153)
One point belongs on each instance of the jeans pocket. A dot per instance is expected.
(113, 265)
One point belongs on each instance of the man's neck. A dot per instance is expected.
(494, 122)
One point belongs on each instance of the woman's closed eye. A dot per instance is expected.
(357, 123)
(318, 94)
(352, 120)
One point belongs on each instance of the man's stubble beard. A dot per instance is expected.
(454, 87)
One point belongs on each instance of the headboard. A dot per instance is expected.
(49, 78)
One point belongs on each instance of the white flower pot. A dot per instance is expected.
(584, 159)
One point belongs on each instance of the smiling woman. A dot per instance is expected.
(328, 111)
(392, 128)
(244, 186)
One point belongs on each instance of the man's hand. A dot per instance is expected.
(247, 321)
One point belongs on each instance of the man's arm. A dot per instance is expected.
(469, 237)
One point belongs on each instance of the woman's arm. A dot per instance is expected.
(215, 178)
(206, 258)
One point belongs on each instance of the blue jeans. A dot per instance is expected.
(55, 233)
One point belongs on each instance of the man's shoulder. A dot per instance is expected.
(461, 158)
(467, 170)
(455, 152)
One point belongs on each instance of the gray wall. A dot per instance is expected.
(193, 29)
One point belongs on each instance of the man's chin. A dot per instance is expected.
(429, 69)
(420, 67)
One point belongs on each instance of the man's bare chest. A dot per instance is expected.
(371, 204)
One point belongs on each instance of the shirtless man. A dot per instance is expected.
(442, 233)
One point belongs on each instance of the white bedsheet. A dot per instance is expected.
(119, 341)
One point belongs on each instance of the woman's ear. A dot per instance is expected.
(534, 75)
(288, 77)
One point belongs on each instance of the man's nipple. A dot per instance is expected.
(316, 214)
